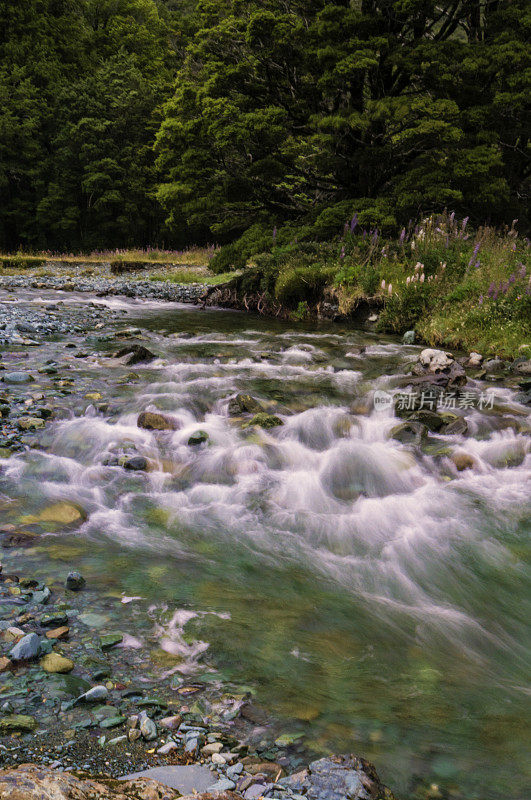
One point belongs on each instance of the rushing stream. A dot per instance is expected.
(368, 592)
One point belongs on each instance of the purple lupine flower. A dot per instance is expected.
(463, 226)
(495, 294)
(452, 216)
(512, 278)
(447, 242)
(375, 235)
(480, 300)
(521, 271)
(474, 254)
(342, 254)
(364, 234)
(477, 264)
(353, 223)
(402, 235)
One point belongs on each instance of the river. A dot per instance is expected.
(370, 595)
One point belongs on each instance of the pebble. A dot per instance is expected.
(94, 694)
(148, 729)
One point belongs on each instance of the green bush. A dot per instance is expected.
(229, 257)
(367, 276)
(302, 284)
(402, 311)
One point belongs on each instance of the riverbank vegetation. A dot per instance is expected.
(259, 128)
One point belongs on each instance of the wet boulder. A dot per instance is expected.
(409, 432)
(75, 581)
(243, 404)
(197, 438)
(264, 420)
(136, 464)
(153, 421)
(137, 354)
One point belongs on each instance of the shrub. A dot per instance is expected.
(229, 257)
(302, 284)
(402, 311)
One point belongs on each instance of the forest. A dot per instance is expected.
(148, 123)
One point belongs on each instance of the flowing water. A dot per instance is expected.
(373, 597)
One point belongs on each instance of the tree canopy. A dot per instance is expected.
(135, 121)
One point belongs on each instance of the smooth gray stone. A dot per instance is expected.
(26, 649)
(186, 779)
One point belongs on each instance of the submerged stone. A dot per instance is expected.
(20, 723)
(64, 513)
(153, 421)
(264, 420)
(54, 662)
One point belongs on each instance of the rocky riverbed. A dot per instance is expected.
(140, 454)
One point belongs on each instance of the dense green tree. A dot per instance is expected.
(225, 116)
(311, 110)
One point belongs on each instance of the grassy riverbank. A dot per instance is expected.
(456, 287)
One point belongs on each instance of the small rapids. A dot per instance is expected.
(365, 588)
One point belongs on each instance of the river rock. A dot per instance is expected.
(409, 337)
(523, 367)
(58, 633)
(54, 662)
(31, 782)
(20, 723)
(458, 426)
(153, 421)
(462, 461)
(18, 377)
(474, 360)
(64, 513)
(5, 664)
(435, 360)
(494, 366)
(243, 404)
(188, 779)
(171, 723)
(264, 420)
(26, 649)
(431, 419)
(74, 581)
(148, 729)
(136, 464)
(409, 432)
(94, 695)
(338, 778)
(137, 354)
(30, 423)
(199, 437)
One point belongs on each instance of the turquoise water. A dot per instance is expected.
(372, 597)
